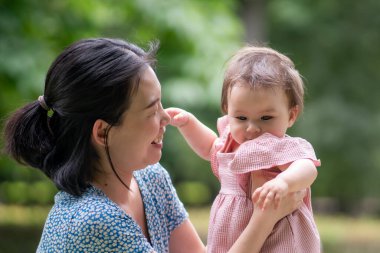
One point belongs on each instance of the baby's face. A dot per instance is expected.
(252, 112)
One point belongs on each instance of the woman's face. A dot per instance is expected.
(137, 141)
(252, 112)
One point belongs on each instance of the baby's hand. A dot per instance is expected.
(272, 191)
(178, 117)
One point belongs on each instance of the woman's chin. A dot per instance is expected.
(154, 158)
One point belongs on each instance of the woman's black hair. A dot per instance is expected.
(91, 79)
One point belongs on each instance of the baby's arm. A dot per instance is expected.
(200, 138)
(299, 175)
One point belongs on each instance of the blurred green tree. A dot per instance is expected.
(196, 38)
(333, 44)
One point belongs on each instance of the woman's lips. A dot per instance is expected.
(159, 138)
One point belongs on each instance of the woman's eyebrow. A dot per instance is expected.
(152, 103)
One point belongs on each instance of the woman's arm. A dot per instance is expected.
(262, 223)
(199, 137)
(185, 239)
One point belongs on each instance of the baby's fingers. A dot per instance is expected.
(178, 117)
(181, 119)
(173, 111)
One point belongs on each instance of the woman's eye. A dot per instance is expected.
(154, 112)
(241, 118)
(266, 117)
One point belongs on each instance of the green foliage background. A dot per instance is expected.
(334, 44)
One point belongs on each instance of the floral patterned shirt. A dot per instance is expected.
(93, 223)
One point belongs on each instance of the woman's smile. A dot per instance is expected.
(159, 138)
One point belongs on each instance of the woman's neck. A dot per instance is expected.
(115, 186)
(129, 200)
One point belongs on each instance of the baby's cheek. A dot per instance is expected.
(277, 132)
(237, 135)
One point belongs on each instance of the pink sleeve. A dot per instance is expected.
(223, 130)
(268, 151)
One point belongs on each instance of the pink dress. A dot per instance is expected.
(233, 207)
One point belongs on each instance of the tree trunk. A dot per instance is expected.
(253, 15)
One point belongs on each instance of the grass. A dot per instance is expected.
(23, 215)
(348, 234)
(21, 227)
(339, 233)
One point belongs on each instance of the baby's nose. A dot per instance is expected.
(253, 131)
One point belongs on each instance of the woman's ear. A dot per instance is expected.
(99, 131)
(293, 115)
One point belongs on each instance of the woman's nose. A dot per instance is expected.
(165, 117)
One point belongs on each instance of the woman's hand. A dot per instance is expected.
(291, 202)
(273, 191)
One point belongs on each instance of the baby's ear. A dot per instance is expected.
(293, 115)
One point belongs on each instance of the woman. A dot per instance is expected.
(97, 134)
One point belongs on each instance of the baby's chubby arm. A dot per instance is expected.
(299, 175)
(199, 137)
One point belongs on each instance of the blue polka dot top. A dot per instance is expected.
(94, 223)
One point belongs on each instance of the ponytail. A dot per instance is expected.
(27, 136)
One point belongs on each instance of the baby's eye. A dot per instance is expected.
(266, 117)
(241, 118)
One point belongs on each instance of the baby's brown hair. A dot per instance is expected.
(263, 67)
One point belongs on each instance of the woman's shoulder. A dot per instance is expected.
(93, 204)
(73, 218)
(163, 208)
(156, 186)
(153, 173)
(100, 216)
